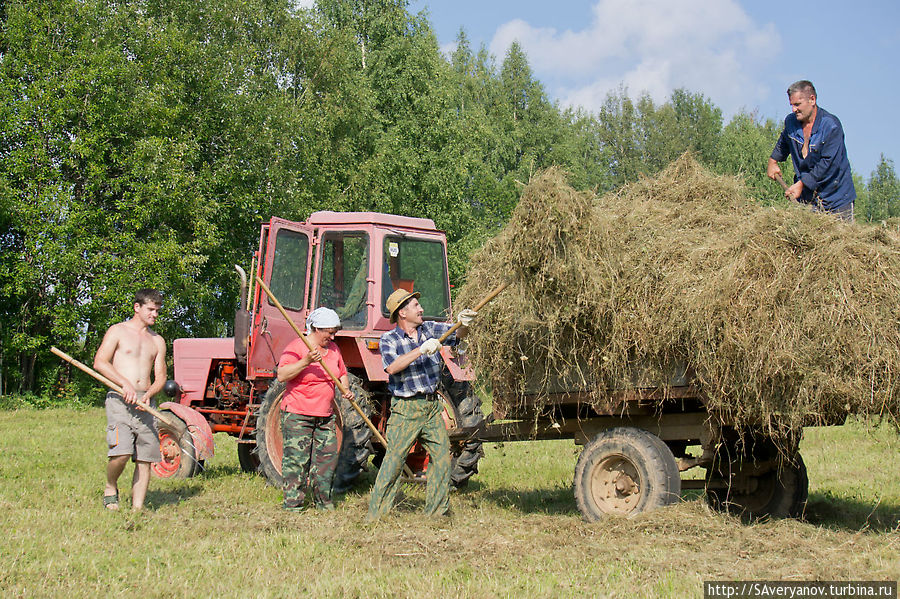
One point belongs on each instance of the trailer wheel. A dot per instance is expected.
(625, 471)
(247, 457)
(269, 442)
(467, 405)
(357, 437)
(758, 486)
(179, 460)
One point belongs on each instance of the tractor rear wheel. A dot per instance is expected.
(269, 442)
(625, 471)
(269, 448)
(468, 414)
(356, 445)
(757, 483)
(179, 460)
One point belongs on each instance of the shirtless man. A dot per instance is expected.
(127, 355)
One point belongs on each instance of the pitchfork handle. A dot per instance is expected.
(778, 178)
(87, 369)
(480, 305)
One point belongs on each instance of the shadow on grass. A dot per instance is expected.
(222, 471)
(156, 498)
(556, 500)
(840, 513)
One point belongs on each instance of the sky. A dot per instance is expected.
(741, 54)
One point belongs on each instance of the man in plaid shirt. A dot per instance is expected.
(410, 354)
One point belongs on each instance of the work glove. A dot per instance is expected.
(465, 316)
(430, 347)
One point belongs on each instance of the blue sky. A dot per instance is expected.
(741, 54)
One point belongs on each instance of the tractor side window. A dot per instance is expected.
(288, 280)
(343, 275)
(416, 265)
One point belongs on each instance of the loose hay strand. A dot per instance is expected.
(784, 317)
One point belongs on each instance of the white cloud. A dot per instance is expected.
(653, 46)
(448, 49)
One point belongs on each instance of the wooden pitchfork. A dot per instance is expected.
(87, 369)
(478, 307)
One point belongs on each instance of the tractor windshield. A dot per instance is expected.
(416, 265)
(342, 277)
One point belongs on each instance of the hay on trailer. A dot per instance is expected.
(783, 317)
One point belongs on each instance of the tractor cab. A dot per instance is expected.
(349, 262)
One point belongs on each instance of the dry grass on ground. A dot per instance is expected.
(514, 532)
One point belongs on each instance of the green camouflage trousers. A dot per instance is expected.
(412, 419)
(310, 454)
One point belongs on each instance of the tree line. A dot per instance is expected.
(143, 143)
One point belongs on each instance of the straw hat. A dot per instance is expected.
(396, 299)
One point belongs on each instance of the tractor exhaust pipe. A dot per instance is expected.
(241, 321)
(243, 275)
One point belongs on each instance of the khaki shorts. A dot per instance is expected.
(130, 431)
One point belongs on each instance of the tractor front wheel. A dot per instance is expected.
(247, 457)
(179, 460)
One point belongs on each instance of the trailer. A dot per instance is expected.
(638, 444)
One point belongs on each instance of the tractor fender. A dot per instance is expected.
(459, 373)
(199, 428)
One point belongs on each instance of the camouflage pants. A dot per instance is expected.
(310, 454)
(413, 419)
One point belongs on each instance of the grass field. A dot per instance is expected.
(514, 532)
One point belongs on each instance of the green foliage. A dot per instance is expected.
(744, 149)
(881, 197)
(142, 143)
(642, 138)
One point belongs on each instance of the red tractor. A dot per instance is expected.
(350, 262)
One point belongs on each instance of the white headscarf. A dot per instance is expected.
(323, 318)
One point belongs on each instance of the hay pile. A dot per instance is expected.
(782, 316)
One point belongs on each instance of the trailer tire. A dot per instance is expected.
(179, 458)
(357, 436)
(467, 405)
(759, 486)
(625, 471)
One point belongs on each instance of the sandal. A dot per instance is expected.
(111, 502)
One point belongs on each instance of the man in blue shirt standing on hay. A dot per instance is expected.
(814, 139)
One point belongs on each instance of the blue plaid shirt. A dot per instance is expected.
(423, 375)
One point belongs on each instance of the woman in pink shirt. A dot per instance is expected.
(307, 417)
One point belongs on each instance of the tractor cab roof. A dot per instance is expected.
(327, 217)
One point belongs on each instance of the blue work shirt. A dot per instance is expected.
(424, 373)
(825, 169)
